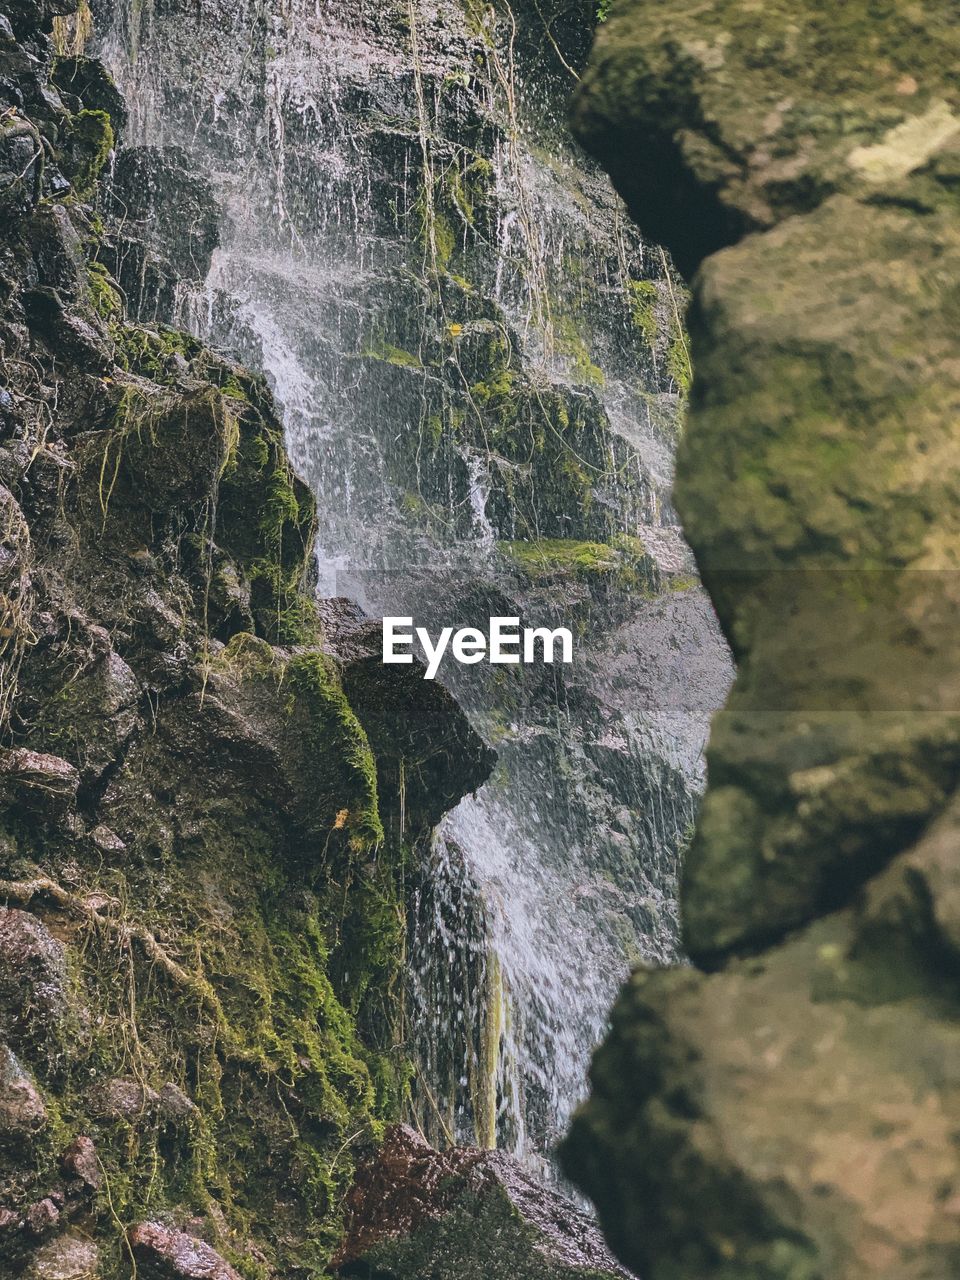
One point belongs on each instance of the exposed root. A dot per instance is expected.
(126, 933)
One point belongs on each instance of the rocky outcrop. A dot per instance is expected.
(415, 1211)
(201, 916)
(802, 161)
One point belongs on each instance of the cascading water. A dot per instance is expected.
(479, 366)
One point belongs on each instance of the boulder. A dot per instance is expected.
(79, 1162)
(91, 717)
(43, 1217)
(428, 754)
(174, 1107)
(42, 783)
(89, 80)
(169, 226)
(463, 1214)
(162, 1253)
(119, 1099)
(793, 1116)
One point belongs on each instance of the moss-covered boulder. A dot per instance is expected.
(800, 161)
(793, 1117)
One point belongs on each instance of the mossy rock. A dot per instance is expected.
(463, 1214)
(85, 149)
(690, 112)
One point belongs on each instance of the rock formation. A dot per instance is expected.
(481, 366)
(463, 1214)
(201, 920)
(792, 1108)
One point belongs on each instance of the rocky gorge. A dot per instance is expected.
(312, 313)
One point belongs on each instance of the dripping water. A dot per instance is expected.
(367, 163)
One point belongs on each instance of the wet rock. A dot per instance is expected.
(174, 1106)
(165, 1254)
(21, 165)
(89, 80)
(415, 1211)
(42, 1218)
(39, 782)
(33, 980)
(22, 1113)
(80, 1162)
(58, 253)
(160, 200)
(10, 1224)
(91, 718)
(65, 330)
(68, 1257)
(107, 841)
(127, 1100)
(427, 751)
(164, 457)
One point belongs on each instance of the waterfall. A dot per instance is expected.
(475, 356)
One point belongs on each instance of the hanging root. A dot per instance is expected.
(16, 603)
(24, 892)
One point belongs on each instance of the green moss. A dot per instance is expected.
(551, 556)
(87, 143)
(444, 239)
(391, 354)
(104, 293)
(494, 398)
(148, 352)
(569, 342)
(624, 562)
(312, 681)
(266, 519)
(263, 1031)
(678, 358)
(232, 387)
(413, 504)
(644, 296)
(464, 185)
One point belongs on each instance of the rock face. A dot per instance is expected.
(482, 368)
(201, 915)
(795, 1115)
(463, 1215)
